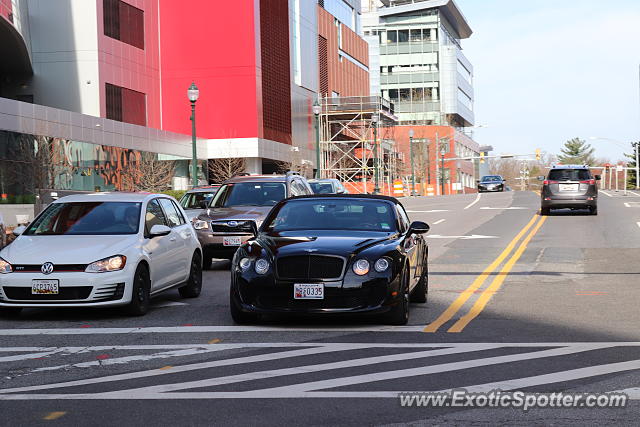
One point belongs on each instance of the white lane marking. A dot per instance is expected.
(605, 193)
(168, 304)
(471, 237)
(307, 389)
(632, 204)
(512, 208)
(634, 193)
(323, 367)
(426, 370)
(556, 377)
(129, 359)
(184, 368)
(474, 202)
(202, 329)
(440, 221)
(638, 224)
(28, 356)
(432, 211)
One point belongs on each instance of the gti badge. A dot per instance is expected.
(47, 268)
(232, 223)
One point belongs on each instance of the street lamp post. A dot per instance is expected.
(193, 93)
(317, 109)
(413, 175)
(376, 171)
(442, 153)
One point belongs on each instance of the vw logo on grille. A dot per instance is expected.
(47, 268)
(232, 223)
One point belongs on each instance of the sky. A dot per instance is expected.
(550, 70)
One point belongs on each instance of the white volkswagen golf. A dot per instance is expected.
(102, 249)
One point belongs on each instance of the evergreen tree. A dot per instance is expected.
(576, 152)
(631, 177)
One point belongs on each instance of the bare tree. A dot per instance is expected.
(147, 173)
(38, 162)
(222, 169)
(297, 164)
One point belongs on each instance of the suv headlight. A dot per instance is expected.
(361, 267)
(5, 267)
(199, 224)
(262, 266)
(113, 263)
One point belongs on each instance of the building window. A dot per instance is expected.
(126, 105)
(124, 22)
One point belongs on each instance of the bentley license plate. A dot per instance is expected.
(45, 287)
(232, 241)
(308, 291)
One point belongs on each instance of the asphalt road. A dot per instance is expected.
(516, 302)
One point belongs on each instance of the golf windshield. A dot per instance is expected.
(334, 214)
(87, 219)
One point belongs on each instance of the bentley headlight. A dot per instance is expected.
(381, 265)
(113, 263)
(262, 266)
(198, 224)
(361, 267)
(5, 267)
(245, 263)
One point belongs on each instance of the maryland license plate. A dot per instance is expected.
(308, 291)
(232, 241)
(45, 287)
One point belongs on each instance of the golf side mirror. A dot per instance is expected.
(19, 230)
(159, 230)
(419, 227)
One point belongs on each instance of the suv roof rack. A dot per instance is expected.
(241, 174)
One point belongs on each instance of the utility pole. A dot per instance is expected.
(442, 172)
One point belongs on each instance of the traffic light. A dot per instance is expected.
(538, 154)
(482, 157)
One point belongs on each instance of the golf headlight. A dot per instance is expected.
(113, 263)
(361, 267)
(381, 265)
(5, 267)
(245, 263)
(198, 224)
(262, 266)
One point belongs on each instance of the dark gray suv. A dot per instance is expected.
(572, 187)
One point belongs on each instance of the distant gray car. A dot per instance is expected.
(3, 233)
(327, 186)
(196, 200)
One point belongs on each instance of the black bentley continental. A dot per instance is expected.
(332, 254)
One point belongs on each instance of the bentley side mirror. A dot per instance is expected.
(159, 230)
(541, 178)
(419, 227)
(19, 230)
(598, 177)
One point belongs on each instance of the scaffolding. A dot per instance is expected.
(356, 135)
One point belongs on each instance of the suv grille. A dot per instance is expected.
(307, 267)
(243, 227)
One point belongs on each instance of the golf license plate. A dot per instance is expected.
(45, 287)
(568, 187)
(308, 291)
(232, 241)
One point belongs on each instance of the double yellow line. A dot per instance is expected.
(495, 285)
